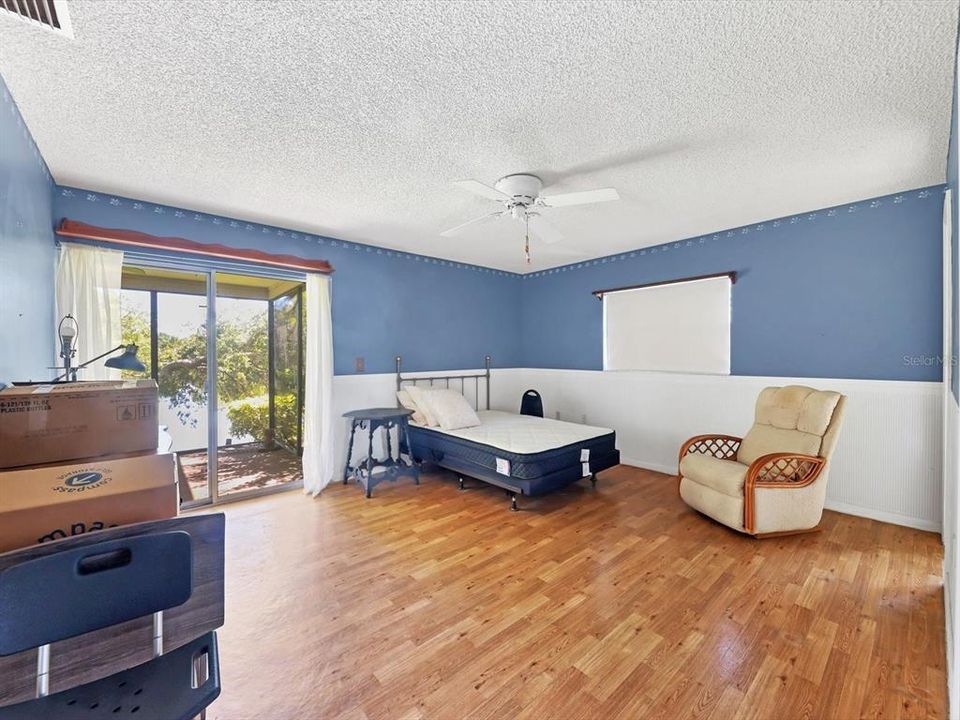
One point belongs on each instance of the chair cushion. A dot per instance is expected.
(796, 407)
(724, 476)
(720, 507)
(764, 439)
(789, 419)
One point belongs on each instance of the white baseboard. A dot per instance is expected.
(882, 516)
(656, 467)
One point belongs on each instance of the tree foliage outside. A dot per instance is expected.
(252, 417)
(242, 374)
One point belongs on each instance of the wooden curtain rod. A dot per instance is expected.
(732, 274)
(75, 229)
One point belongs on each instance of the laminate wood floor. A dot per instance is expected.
(619, 602)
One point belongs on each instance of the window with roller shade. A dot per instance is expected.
(672, 327)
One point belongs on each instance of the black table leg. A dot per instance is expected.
(346, 465)
(367, 484)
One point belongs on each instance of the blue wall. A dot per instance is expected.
(852, 291)
(26, 250)
(847, 292)
(437, 314)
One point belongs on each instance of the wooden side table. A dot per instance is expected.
(371, 471)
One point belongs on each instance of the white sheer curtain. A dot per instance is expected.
(318, 460)
(88, 287)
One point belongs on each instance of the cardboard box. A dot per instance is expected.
(53, 423)
(42, 504)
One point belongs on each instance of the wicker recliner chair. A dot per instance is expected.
(773, 481)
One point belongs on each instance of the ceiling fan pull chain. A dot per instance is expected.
(526, 239)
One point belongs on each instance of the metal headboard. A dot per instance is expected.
(431, 379)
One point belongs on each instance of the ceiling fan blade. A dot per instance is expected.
(478, 188)
(547, 232)
(580, 198)
(454, 231)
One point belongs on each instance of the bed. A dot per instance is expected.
(523, 454)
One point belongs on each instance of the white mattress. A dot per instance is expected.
(524, 434)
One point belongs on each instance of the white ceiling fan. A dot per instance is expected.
(521, 200)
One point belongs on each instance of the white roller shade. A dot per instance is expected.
(680, 327)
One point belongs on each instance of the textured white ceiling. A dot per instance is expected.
(351, 119)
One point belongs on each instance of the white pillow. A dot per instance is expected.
(406, 401)
(419, 397)
(451, 409)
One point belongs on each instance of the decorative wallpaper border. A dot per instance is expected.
(6, 98)
(189, 217)
(863, 205)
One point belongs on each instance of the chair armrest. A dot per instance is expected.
(784, 471)
(724, 447)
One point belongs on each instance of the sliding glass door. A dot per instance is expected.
(164, 313)
(231, 400)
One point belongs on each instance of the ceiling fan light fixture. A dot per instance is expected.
(519, 194)
(522, 187)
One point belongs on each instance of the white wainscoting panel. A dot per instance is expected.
(951, 418)
(888, 460)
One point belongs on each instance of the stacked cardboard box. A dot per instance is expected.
(80, 457)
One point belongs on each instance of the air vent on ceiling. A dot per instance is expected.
(48, 13)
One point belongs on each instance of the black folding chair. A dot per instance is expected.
(58, 596)
(531, 404)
